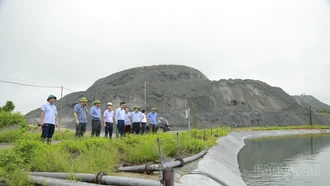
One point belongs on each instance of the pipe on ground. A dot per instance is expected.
(56, 182)
(149, 168)
(100, 179)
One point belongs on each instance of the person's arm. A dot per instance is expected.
(93, 113)
(42, 114)
(116, 116)
(104, 117)
(131, 118)
(85, 107)
(75, 110)
(56, 121)
(76, 117)
(141, 118)
(113, 118)
(56, 118)
(148, 120)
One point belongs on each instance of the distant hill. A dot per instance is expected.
(307, 100)
(173, 88)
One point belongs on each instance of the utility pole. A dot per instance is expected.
(194, 114)
(61, 110)
(310, 115)
(188, 119)
(145, 95)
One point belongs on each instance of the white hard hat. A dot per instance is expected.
(109, 103)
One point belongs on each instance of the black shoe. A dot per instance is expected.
(42, 139)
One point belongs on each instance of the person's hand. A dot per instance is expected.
(104, 125)
(99, 117)
(77, 123)
(56, 125)
(41, 123)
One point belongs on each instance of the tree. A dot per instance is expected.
(9, 106)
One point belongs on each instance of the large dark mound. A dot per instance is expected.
(307, 100)
(172, 88)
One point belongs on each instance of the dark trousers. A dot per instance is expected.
(96, 127)
(108, 129)
(136, 128)
(152, 128)
(143, 128)
(48, 130)
(127, 129)
(80, 130)
(120, 126)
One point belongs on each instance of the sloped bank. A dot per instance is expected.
(219, 167)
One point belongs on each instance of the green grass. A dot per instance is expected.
(91, 155)
(8, 119)
(284, 127)
(297, 136)
(29, 132)
(325, 111)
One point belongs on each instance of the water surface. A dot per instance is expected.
(286, 161)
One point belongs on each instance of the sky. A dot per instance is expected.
(72, 43)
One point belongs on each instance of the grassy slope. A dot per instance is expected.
(92, 155)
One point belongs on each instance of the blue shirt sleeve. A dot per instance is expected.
(93, 113)
(76, 108)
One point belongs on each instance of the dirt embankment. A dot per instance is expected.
(172, 89)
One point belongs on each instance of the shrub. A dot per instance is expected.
(8, 119)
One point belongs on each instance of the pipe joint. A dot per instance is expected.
(148, 171)
(181, 162)
(98, 177)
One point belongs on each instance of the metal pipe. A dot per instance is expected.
(155, 167)
(194, 157)
(60, 175)
(109, 180)
(124, 181)
(168, 177)
(56, 182)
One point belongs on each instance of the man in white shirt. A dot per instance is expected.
(143, 121)
(120, 118)
(108, 121)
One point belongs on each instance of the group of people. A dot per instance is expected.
(122, 119)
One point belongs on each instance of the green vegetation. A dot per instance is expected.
(325, 111)
(8, 107)
(28, 132)
(284, 127)
(290, 136)
(7, 118)
(91, 155)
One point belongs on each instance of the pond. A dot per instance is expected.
(302, 160)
